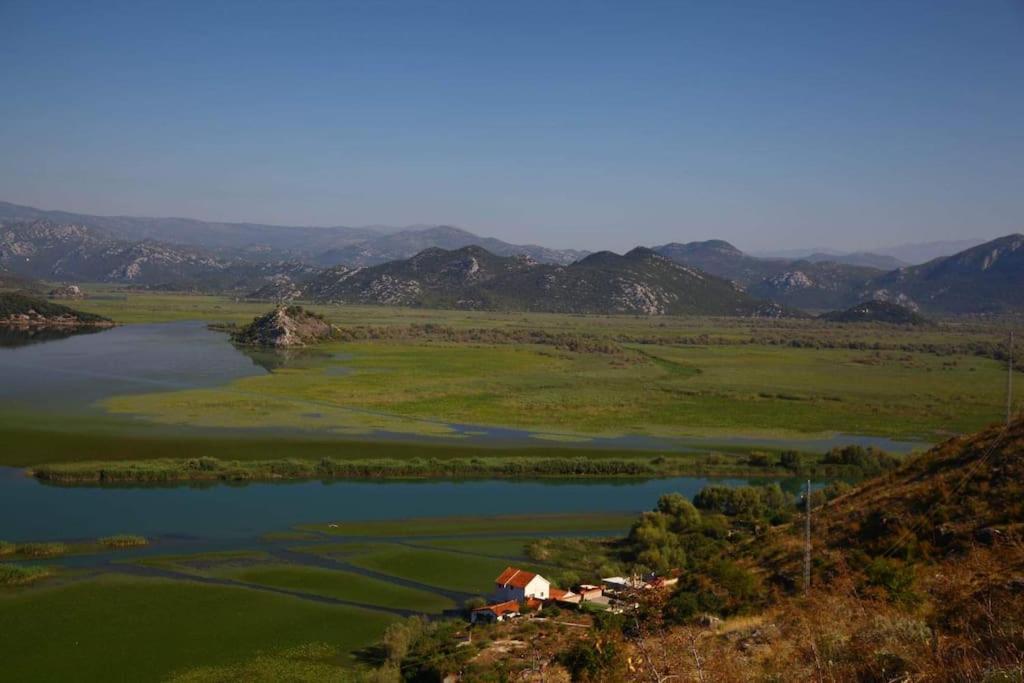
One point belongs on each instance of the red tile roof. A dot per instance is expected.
(558, 593)
(500, 608)
(516, 578)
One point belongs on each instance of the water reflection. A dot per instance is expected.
(14, 337)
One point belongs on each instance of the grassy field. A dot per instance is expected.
(668, 391)
(148, 629)
(339, 584)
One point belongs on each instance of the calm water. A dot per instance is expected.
(33, 511)
(76, 371)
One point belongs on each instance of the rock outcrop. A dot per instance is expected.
(67, 292)
(285, 327)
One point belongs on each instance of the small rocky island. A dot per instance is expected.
(877, 311)
(26, 311)
(285, 327)
(67, 292)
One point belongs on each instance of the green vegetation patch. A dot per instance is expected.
(123, 541)
(339, 584)
(146, 629)
(311, 662)
(20, 574)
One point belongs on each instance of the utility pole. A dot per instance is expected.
(1009, 384)
(807, 538)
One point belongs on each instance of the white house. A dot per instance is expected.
(516, 584)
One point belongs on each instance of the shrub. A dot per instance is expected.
(790, 460)
(895, 577)
(123, 541)
(592, 661)
(17, 574)
(758, 459)
(42, 549)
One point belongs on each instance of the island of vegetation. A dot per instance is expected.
(24, 310)
(850, 462)
(284, 327)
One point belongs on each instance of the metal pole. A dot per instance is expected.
(807, 538)
(1009, 384)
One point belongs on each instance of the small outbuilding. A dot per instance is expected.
(496, 612)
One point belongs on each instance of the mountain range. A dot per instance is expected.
(326, 246)
(450, 267)
(639, 282)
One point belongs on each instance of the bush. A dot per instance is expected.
(790, 460)
(592, 661)
(748, 502)
(123, 541)
(17, 574)
(758, 459)
(869, 462)
(895, 577)
(42, 549)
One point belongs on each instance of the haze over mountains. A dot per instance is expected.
(450, 267)
(325, 246)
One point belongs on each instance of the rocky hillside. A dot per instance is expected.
(22, 310)
(59, 251)
(640, 282)
(327, 246)
(284, 327)
(815, 284)
(720, 258)
(864, 259)
(876, 312)
(407, 243)
(984, 279)
(981, 279)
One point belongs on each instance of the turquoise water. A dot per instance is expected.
(30, 510)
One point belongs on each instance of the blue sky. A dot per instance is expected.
(590, 124)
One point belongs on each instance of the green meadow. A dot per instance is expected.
(115, 628)
(718, 390)
(339, 584)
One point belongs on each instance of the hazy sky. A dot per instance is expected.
(590, 124)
